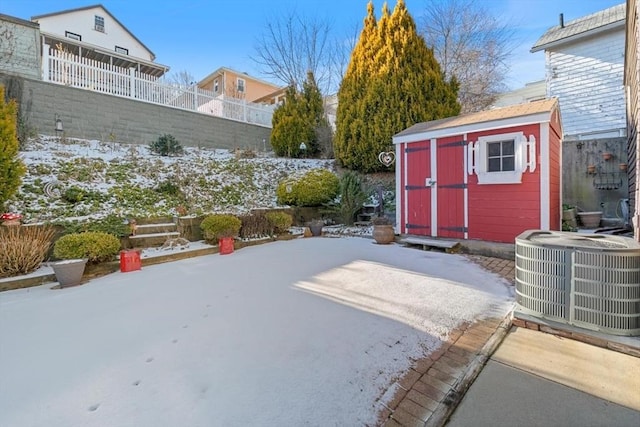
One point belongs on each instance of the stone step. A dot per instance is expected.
(164, 227)
(158, 220)
(450, 246)
(151, 240)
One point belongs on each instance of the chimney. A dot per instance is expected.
(561, 20)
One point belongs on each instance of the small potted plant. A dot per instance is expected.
(223, 229)
(11, 218)
(75, 250)
(383, 232)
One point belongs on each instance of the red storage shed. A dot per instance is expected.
(488, 175)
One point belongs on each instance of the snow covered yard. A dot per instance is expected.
(302, 332)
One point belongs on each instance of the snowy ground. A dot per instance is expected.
(303, 332)
(78, 179)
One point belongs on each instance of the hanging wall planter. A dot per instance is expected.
(607, 156)
(591, 169)
(623, 166)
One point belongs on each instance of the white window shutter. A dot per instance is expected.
(481, 157)
(532, 153)
(472, 156)
(520, 153)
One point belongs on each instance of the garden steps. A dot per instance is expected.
(153, 234)
(164, 227)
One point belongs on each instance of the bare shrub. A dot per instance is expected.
(23, 248)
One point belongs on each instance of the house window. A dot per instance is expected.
(73, 36)
(122, 50)
(99, 24)
(215, 86)
(500, 156)
(240, 85)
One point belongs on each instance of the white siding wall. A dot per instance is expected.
(587, 77)
(82, 22)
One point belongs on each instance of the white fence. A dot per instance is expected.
(71, 70)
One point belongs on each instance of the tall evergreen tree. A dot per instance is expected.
(11, 167)
(393, 81)
(300, 119)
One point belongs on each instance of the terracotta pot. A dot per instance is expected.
(11, 222)
(591, 169)
(607, 156)
(69, 272)
(590, 219)
(383, 234)
(623, 166)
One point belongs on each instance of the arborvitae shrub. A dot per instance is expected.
(11, 167)
(352, 196)
(96, 246)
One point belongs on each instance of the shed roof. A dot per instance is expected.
(603, 20)
(498, 117)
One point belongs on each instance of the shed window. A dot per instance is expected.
(99, 23)
(73, 36)
(500, 156)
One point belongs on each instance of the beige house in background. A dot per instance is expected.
(226, 82)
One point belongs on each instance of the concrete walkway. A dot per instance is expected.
(538, 379)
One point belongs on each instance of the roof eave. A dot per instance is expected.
(534, 118)
(605, 28)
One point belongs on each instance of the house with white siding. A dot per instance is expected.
(92, 32)
(584, 60)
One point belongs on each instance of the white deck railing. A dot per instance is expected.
(71, 70)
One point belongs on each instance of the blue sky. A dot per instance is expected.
(200, 36)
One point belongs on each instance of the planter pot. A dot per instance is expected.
(590, 219)
(623, 166)
(569, 214)
(316, 229)
(69, 272)
(607, 156)
(225, 245)
(591, 169)
(383, 234)
(11, 222)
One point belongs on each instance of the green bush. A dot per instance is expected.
(73, 195)
(93, 245)
(316, 187)
(280, 221)
(352, 196)
(166, 145)
(11, 166)
(23, 248)
(111, 224)
(217, 226)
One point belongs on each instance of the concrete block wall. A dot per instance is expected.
(19, 47)
(90, 115)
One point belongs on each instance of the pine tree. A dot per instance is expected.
(393, 81)
(11, 167)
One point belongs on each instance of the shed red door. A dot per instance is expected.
(418, 167)
(451, 185)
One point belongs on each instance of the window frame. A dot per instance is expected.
(481, 163)
(122, 50)
(216, 86)
(96, 25)
(72, 36)
(501, 156)
(238, 85)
